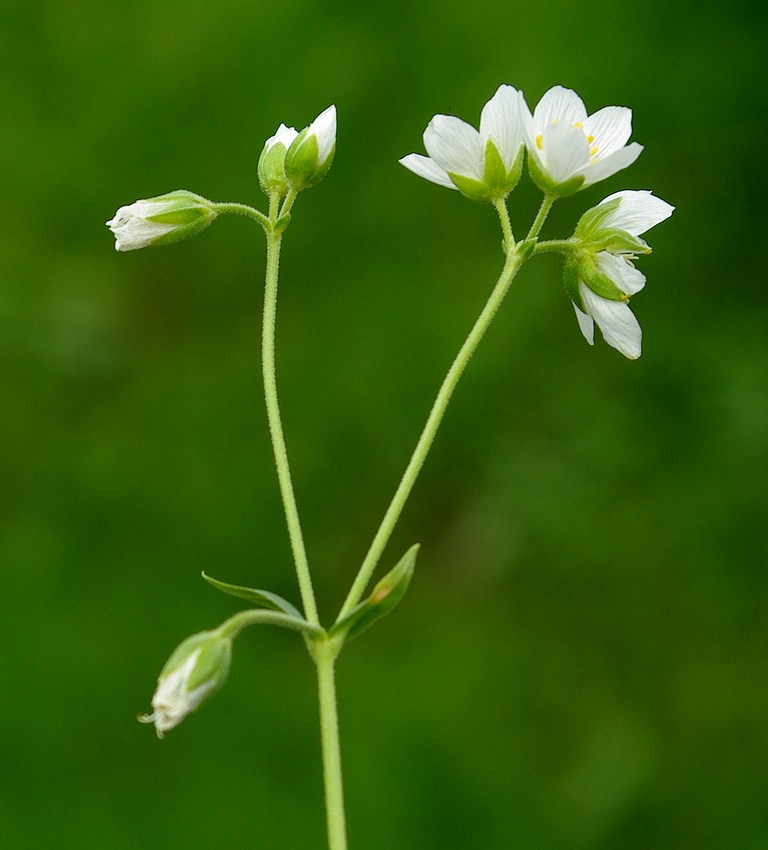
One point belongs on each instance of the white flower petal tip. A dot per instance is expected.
(483, 164)
(563, 162)
(617, 323)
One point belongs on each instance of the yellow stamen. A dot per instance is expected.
(540, 141)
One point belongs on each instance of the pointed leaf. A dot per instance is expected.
(260, 598)
(387, 593)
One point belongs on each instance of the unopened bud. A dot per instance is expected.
(161, 220)
(197, 668)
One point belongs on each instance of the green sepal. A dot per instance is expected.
(189, 215)
(617, 241)
(301, 161)
(593, 219)
(495, 172)
(515, 172)
(259, 598)
(473, 189)
(387, 593)
(546, 184)
(571, 281)
(212, 663)
(271, 170)
(599, 282)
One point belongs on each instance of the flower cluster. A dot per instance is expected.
(568, 150)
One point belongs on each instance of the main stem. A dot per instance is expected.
(274, 240)
(324, 653)
(513, 263)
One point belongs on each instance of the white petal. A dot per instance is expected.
(611, 127)
(455, 146)
(559, 105)
(427, 168)
(324, 127)
(586, 325)
(284, 135)
(565, 152)
(612, 163)
(502, 121)
(638, 211)
(628, 279)
(616, 321)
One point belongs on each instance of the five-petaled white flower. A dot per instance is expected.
(603, 280)
(197, 668)
(157, 221)
(568, 149)
(484, 165)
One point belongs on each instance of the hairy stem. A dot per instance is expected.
(513, 263)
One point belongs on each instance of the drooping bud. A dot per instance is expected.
(161, 220)
(196, 669)
(310, 155)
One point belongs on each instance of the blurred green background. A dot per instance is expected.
(581, 660)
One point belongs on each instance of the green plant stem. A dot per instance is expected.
(274, 240)
(541, 216)
(324, 653)
(257, 616)
(558, 246)
(242, 209)
(511, 267)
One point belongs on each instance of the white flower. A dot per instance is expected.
(197, 667)
(611, 272)
(311, 151)
(164, 219)
(569, 149)
(484, 164)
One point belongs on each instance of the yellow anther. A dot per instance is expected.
(540, 141)
(590, 139)
(578, 124)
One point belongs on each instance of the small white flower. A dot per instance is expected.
(634, 213)
(197, 667)
(311, 151)
(164, 219)
(484, 164)
(569, 150)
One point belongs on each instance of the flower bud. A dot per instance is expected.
(272, 161)
(197, 668)
(310, 155)
(161, 220)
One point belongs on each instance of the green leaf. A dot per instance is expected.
(260, 598)
(387, 593)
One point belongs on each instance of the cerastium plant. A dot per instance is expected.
(566, 150)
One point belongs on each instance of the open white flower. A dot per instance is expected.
(485, 164)
(604, 280)
(197, 668)
(568, 149)
(157, 221)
